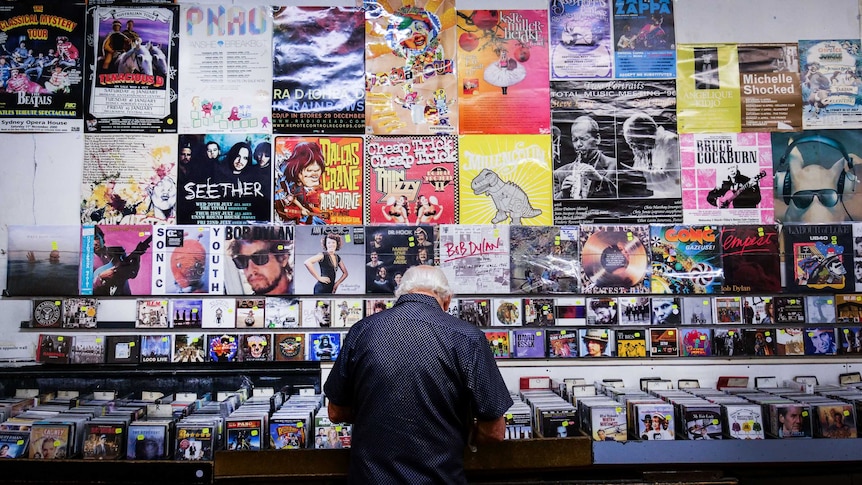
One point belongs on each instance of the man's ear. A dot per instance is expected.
(445, 302)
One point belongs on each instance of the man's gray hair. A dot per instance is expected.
(424, 278)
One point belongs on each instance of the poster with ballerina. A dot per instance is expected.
(503, 72)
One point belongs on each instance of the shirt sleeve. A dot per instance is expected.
(337, 386)
(490, 397)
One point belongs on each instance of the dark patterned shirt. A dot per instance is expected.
(414, 376)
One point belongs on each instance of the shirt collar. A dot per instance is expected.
(419, 298)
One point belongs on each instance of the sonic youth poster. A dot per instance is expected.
(831, 73)
(411, 179)
(410, 67)
(817, 176)
(505, 180)
(708, 83)
(769, 87)
(132, 75)
(581, 41)
(503, 71)
(41, 67)
(318, 79)
(616, 152)
(224, 179)
(129, 180)
(188, 259)
(318, 180)
(645, 39)
(226, 54)
(727, 178)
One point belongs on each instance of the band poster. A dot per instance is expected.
(116, 260)
(131, 180)
(505, 179)
(503, 71)
(188, 259)
(645, 39)
(224, 179)
(318, 84)
(410, 81)
(227, 51)
(708, 84)
(616, 152)
(769, 87)
(41, 67)
(411, 179)
(475, 258)
(581, 43)
(727, 178)
(831, 73)
(132, 75)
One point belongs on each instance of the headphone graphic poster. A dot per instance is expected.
(821, 146)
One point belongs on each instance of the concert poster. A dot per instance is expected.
(133, 71)
(42, 67)
(503, 72)
(645, 39)
(391, 249)
(129, 181)
(769, 87)
(816, 178)
(615, 152)
(116, 260)
(411, 179)
(751, 258)
(545, 259)
(329, 255)
(686, 259)
(615, 259)
(818, 258)
(581, 43)
(43, 260)
(188, 259)
(505, 179)
(226, 53)
(318, 180)
(410, 82)
(727, 178)
(831, 73)
(224, 179)
(475, 259)
(318, 79)
(708, 84)
(252, 250)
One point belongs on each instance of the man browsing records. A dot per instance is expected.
(416, 383)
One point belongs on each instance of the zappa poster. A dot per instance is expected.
(41, 67)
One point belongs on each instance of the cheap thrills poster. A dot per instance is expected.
(410, 78)
(581, 41)
(503, 71)
(708, 85)
(318, 180)
(411, 179)
(227, 50)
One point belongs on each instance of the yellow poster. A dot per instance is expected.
(708, 89)
(505, 179)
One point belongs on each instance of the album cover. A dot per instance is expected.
(528, 344)
(346, 311)
(392, 249)
(51, 441)
(261, 259)
(596, 342)
(289, 347)
(685, 259)
(695, 342)
(571, 311)
(282, 312)
(186, 313)
(316, 313)
(87, 349)
(80, 312)
(194, 442)
(789, 341)
(53, 349)
(499, 342)
(223, 347)
(287, 433)
(759, 342)
(538, 312)
(581, 44)
(43, 260)
(506, 312)
(243, 434)
(666, 310)
(330, 260)
(329, 435)
(818, 257)
(728, 310)
(188, 259)
(545, 259)
(120, 261)
(700, 422)
(663, 342)
(835, 421)
(152, 313)
(47, 314)
(475, 311)
(189, 347)
(156, 348)
(849, 308)
(742, 421)
(757, 310)
(634, 310)
(820, 308)
(562, 344)
(789, 420)
(631, 342)
(377, 305)
(608, 423)
(147, 440)
(850, 339)
(751, 259)
(654, 421)
(256, 347)
(602, 310)
(614, 259)
(122, 349)
(323, 346)
(218, 313)
(789, 309)
(475, 259)
(250, 312)
(105, 441)
(697, 310)
(820, 341)
(16, 442)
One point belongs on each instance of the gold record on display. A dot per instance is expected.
(614, 258)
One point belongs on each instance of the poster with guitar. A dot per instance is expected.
(726, 178)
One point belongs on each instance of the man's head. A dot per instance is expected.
(822, 339)
(596, 341)
(790, 418)
(640, 132)
(265, 264)
(213, 150)
(116, 25)
(663, 309)
(603, 310)
(185, 154)
(600, 434)
(585, 135)
(426, 280)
